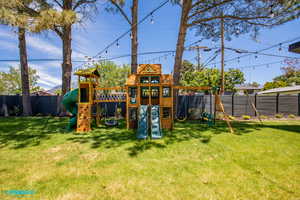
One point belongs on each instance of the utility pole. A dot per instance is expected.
(198, 58)
(222, 56)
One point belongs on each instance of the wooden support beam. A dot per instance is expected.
(192, 87)
(110, 88)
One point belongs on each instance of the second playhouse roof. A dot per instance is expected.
(90, 72)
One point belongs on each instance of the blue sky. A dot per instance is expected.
(94, 36)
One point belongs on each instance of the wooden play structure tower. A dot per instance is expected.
(87, 81)
(149, 100)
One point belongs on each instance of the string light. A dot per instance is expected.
(238, 59)
(118, 45)
(106, 51)
(280, 47)
(152, 20)
(256, 55)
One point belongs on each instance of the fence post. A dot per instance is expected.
(210, 103)
(298, 104)
(255, 104)
(232, 104)
(277, 103)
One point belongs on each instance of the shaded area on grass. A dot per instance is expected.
(23, 132)
(18, 132)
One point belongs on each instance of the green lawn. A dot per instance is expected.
(192, 162)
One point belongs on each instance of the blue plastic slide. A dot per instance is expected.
(142, 131)
(155, 123)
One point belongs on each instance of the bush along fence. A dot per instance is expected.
(190, 106)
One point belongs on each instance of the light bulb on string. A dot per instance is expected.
(272, 13)
(255, 55)
(118, 45)
(152, 20)
(106, 51)
(280, 47)
(238, 59)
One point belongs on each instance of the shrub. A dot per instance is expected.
(291, 116)
(278, 116)
(246, 117)
(219, 116)
(231, 117)
(264, 117)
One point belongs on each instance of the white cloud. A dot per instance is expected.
(8, 46)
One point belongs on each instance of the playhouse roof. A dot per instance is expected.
(149, 69)
(90, 72)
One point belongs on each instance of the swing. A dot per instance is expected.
(110, 121)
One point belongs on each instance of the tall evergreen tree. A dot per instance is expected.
(242, 16)
(133, 22)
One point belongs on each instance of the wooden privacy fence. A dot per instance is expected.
(192, 105)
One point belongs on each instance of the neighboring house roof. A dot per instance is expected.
(284, 90)
(42, 93)
(247, 88)
(295, 47)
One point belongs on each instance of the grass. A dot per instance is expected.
(192, 162)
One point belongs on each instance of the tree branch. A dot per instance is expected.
(121, 11)
(226, 17)
(208, 8)
(80, 2)
(59, 4)
(58, 32)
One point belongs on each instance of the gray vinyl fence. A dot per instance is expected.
(190, 106)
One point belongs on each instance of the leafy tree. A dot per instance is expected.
(118, 7)
(210, 77)
(111, 74)
(59, 16)
(275, 84)
(11, 83)
(290, 76)
(239, 16)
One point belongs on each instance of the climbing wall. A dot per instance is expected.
(84, 117)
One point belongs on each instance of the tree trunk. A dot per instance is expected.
(24, 73)
(186, 6)
(134, 38)
(67, 59)
(222, 58)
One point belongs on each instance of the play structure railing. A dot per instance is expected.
(101, 96)
(110, 98)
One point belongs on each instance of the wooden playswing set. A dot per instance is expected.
(149, 98)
